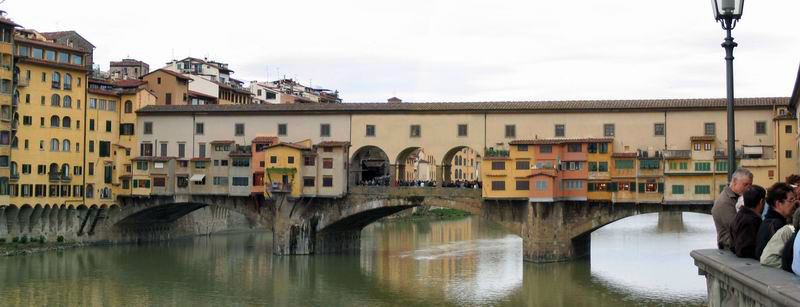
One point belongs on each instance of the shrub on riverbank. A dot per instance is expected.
(60, 239)
(440, 213)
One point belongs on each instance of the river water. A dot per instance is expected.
(639, 261)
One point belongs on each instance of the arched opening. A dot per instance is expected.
(461, 167)
(66, 122)
(55, 100)
(67, 103)
(370, 166)
(416, 167)
(54, 121)
(55, 145)
(128, 106)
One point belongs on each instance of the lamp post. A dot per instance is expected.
(728, 12)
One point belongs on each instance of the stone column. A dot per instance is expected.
(548, 235)
(291, 233)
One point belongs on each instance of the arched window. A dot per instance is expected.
(56, 80)
(53, 168)
(128, 106)
(66, 122)
(14, 142)
(54, 145)
(67, 101)
(15, 98)
(65, 170)
(14, 169)
(55, 100)
(65, 146)
(67, 81)
(89, 191)
(54, 121)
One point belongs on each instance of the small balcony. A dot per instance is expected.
(54, 176)
(23, 82)
(277, 187)
(14, 176)
(495, 153)
(56, 85)
(677, 154)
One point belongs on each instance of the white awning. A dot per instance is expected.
(197, 177)
(753, 150)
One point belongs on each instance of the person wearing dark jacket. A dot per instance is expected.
(787, 254)
(747, 222)
(782, 201)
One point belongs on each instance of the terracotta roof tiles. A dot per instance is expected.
(561, 141)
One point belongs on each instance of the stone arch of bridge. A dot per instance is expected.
(416, 163)
(448, 162)
(370, 165)
(135, 213)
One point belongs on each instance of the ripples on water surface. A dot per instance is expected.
(638, 261)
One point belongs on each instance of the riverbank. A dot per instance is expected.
(15, 249)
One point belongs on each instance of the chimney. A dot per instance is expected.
(395, 100)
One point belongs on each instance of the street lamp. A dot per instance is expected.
(728, 12)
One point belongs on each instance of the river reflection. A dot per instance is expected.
(637, 261)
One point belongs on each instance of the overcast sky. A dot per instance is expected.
(454, 50)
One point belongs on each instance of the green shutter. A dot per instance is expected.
(641, 187)
(613, 187)
(590, 187)
(633, 186)
(660, 188)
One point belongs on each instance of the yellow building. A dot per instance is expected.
(47, 154)
(505, 172)
(9, 101)
(599, 161)
(282, 168)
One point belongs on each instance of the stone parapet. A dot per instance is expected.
(734, 281)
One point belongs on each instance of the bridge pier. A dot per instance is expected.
(549, 234)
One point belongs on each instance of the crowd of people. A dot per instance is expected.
(759, 223)
(385, 181)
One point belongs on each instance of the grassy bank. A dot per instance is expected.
(24, 245)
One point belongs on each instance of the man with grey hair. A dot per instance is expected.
(724, 210)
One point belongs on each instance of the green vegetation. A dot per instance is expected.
(2, 240)
(60, 239)
(439, 213)
(24, 240)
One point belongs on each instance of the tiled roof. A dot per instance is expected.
(8, 21)
(265, 139)
(624, 155)
(479, 107)
(333, 144)
(127, 62)
(291, 145)
(99, 91)
(223, 142)
(154, 159)
(129, 83)
(201, 95)
(172, 73)
(561, 141)
(703, 138)
(59, 34)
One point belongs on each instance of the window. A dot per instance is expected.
(541, 185)
(721, 166)
(649, 164)
(511, 131)
(574, 147)
(159, 182)
(112, 105)
(697, 147)
(608, 129)
(201, 148)
(128, 106)
(168, 98)
(108, 126)
(282, 130)
(238, 129)
(658, 129)
(560, 130)
(158, 80)
(146, 149)
(91, 125)
(710, 129)
(571, 185)
(55, 100)
(523, 165)
(290, 159)
(702, 166)
(308, 161)
(684, 165)
(327, 181)
(67, 81)
(702, 189)
(183, 181)
(77, 60)
(602, 166)
(92, 103)
(308, 181)
(522, 185)
(54, 121)
(273, 159)
(546, 148)
(623, 164)
(327, 149)
(67, 103)
(56, 80)
(761, 127)
(522, 147)
(788, 128)
(327, 163)
(181, 150)
(416, 131)
(162, 150)
(498, 185)
(126, 129)
(571, 165)
(90, 166)
(591, 148)
(325, 130)
(462, 130)
(370, 130)
(220, 180)
(498, 165)
(240, 181)
(788, 154)
(199, 128)
(592, 166)
(677, 189)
